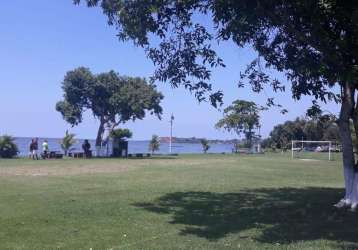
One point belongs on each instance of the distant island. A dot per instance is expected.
(166, 139)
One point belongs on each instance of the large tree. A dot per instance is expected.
(113, 99)
(241, 117)
(314, 43)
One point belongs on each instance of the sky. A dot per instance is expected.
(40, 40)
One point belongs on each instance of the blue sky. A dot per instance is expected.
(40, 40)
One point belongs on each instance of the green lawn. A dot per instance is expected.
(188, 202)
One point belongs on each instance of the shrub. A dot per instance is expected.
(205, 144)
(8, 148)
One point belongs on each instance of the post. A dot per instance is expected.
(302, 144)
(291, 149)
(329, 150)
(171, 133)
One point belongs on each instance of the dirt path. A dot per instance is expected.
(70, 170)
(79, 167)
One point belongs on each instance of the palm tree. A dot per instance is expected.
(8, 148)
(67, 142)
(154, 144)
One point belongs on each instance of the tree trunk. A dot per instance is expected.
(100, 133)
(347, 145)
(355, 173)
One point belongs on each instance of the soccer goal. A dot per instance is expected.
(311, 150)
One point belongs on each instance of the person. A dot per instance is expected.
(86, 146)
(45, 149)
(31, 148)
(34, 146)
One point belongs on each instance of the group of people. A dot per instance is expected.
(34, 147)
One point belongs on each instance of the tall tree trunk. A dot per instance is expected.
(346, 138)
(355, 173)
(100, 133)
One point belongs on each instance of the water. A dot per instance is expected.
(133, 146)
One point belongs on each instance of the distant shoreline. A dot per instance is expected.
(166, 139)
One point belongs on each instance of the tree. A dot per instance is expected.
(205, 144)
(314, 43)
(318, 129)
(67, 142)
(241, 117)
(268, 143)
(280, 137)
(121, 134)
(282, 134)
(154, 144)
(113, 99)
(8, 148)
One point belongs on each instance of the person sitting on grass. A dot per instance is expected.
(86, 146)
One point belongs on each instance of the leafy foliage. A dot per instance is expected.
(8, 147)
(319, 129)
(312, 42)
(241, 117)
(113, 99)
(67, 142)
(121, 134)
(154, 144)
(205, 144)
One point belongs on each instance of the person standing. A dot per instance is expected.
(34, 146)
(45, 149)
(31, 148)
(86, 146)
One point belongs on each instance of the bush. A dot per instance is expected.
(205, 144)
(8, 148)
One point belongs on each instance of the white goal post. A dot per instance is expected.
(301, 145)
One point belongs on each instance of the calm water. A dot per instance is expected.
(133, 147)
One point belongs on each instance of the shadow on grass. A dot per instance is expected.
(282, 215)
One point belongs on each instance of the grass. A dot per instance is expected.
(188, 202)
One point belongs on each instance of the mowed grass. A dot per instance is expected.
(188, 202)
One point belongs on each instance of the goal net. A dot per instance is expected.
(312, 150)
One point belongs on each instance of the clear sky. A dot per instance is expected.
(40, 40)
